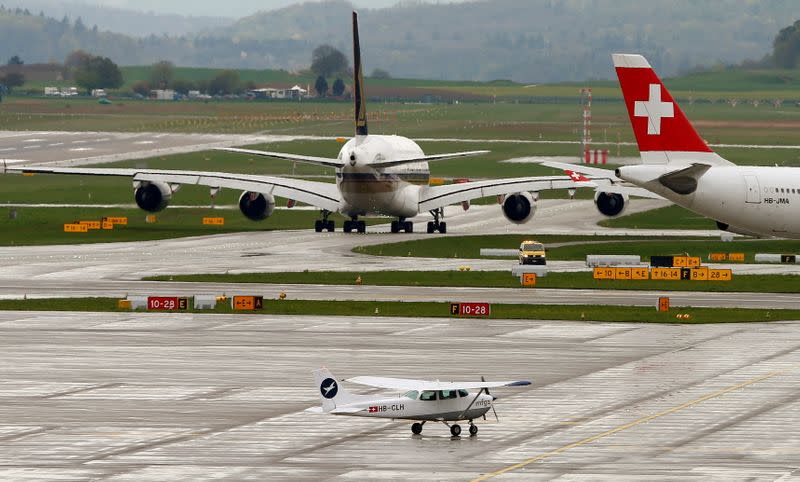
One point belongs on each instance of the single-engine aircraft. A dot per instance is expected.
(375, 174)
(423, 401)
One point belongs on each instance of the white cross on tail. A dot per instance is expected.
(654, 110)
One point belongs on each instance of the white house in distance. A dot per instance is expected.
(295, 92)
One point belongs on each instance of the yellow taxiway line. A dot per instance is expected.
(621, 428)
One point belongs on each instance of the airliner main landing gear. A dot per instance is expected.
(436, 224)
(324, 224)
(402, 225)
(355, 225)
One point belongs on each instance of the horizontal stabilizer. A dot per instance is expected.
(684, 181)
(434, 157)
(320, 161)
(346, 409)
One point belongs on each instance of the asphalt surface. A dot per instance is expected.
(117, 396)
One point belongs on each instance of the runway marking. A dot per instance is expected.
(35, 146)
(8, 149)
(55, 144)
(635, 423)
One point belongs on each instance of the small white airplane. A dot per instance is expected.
(678, 165)
(375, 174)
(423, 401)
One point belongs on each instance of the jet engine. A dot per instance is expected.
(256, 206)
(153, 196)
(610, 203)
(519, 207)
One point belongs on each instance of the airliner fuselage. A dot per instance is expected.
(391, 191)
(748, 199)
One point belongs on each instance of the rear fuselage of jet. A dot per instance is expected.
(758, 200)
(391, 191)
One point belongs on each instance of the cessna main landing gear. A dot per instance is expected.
(455, 430)
(402, 225)
(437, 225)
(416, 428)
(355, 225)
(324, 224)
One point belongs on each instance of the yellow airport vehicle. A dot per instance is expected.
(532, 252)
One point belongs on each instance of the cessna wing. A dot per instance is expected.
(319, 194)
(433, 197)
(408, 384)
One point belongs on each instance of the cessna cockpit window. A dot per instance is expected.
(428, 395)
(462, 393)
(412, 394)
(447, 394)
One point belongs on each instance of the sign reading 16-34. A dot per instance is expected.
(470, 309)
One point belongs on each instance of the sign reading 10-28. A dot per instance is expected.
(470, 309)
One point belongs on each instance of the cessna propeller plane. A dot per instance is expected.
(423, 401)
(375, 174)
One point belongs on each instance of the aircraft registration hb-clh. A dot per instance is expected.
(422, 401)
(375, 174)
(678, 164)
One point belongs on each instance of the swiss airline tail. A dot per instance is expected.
(663, 132)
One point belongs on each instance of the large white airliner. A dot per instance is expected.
(678, 165)
(375, 174)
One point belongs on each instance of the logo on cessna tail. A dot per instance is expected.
(328, 388)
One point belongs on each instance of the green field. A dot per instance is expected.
(496, 279)
(661, 218)
(442, 310)
(42, 226)
(572, 248)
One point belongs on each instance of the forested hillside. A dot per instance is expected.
(527, 41)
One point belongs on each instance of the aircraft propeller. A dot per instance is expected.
(493, 399)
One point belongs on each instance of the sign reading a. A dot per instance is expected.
(470, 309)
(247, 303)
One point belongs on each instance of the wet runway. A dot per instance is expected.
(57, 148)
(208, 397)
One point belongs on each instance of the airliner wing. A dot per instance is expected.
(606, 179)
(321, 194)
(433, 157)
(433, 197)
(320, 161)
(408, 384)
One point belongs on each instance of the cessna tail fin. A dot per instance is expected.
(358, 84)
(663, 132)
(331, 393)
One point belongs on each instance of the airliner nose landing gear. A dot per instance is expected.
(437, 225)
(324, 224)
(355, 225)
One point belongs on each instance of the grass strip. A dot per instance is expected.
(440, 310)
(498, 279)
(576, 248)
